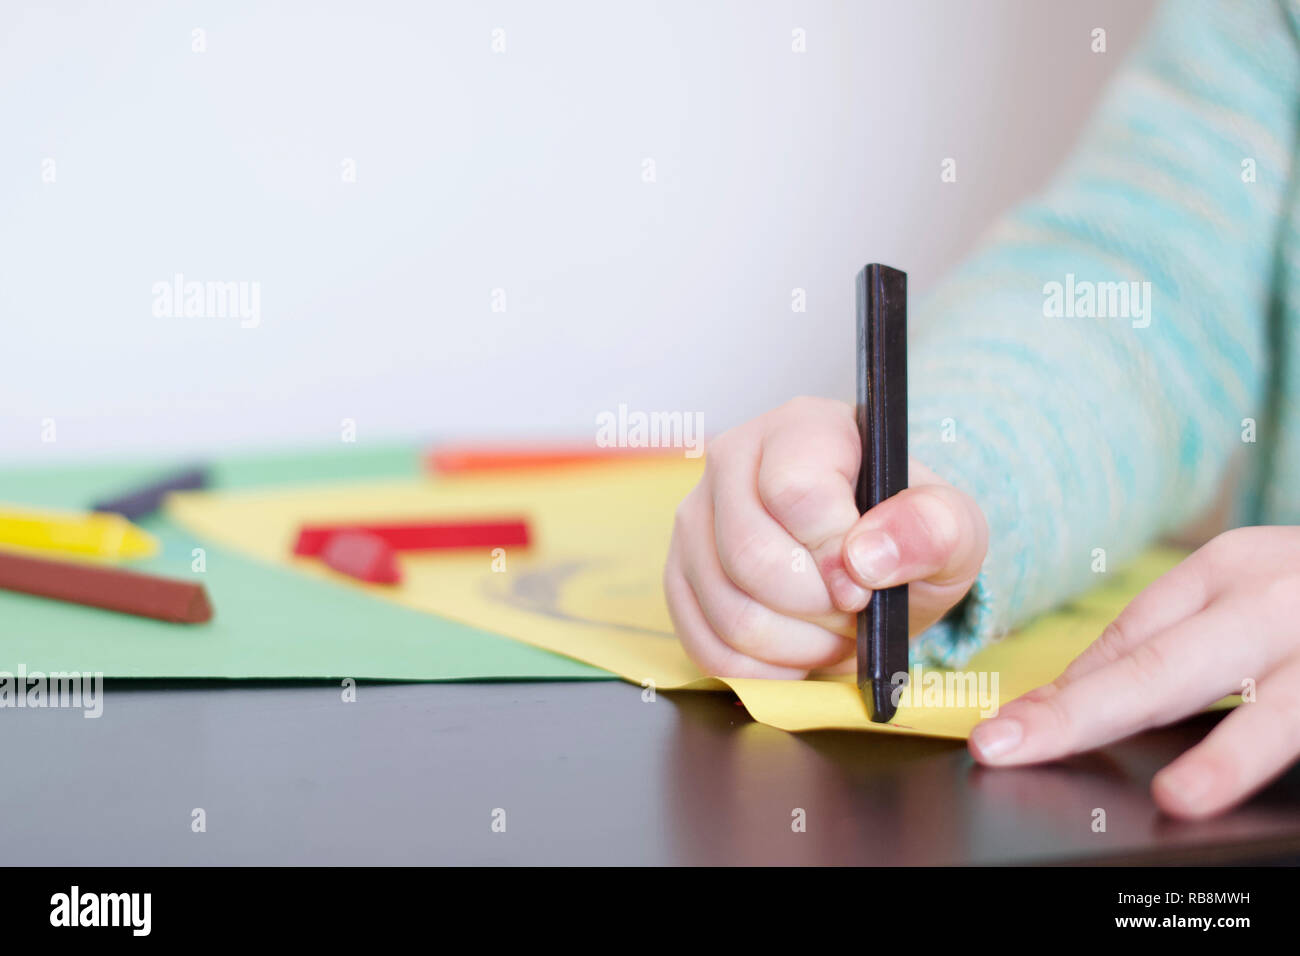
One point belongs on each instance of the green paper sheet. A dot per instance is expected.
(270, 622)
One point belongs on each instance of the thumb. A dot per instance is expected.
(932, 533)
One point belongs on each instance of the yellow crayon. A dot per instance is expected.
(75, 532)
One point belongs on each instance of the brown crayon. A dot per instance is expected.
(127, 592)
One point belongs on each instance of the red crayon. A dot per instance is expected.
(423, 536)
(366, 557)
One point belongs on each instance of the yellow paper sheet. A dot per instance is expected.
(589, 586)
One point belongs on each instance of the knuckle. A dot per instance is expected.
(746, 628)
(1110, 646)
(937, 514)
(721, 446)
(1147, 661)
(748, 561)
(785, 491)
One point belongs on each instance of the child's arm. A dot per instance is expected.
(1085, 438)
(1081, 439)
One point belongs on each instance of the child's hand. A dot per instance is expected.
(1225, 621)
(770, 558)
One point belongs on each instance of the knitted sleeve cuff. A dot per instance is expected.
(963, 631)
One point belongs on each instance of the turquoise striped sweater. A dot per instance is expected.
(1125, 345)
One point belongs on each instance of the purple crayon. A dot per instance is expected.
(145, 500)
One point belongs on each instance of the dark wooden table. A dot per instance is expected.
(587, 773)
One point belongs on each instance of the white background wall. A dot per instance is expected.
(475, 170)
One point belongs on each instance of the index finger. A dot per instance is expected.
(808, 466)
(1171, 675)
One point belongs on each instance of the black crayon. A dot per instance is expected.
(882, 426)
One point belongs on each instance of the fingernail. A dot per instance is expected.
(874, 557)
(1187, 785)
(846, 594)
(998, 737)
